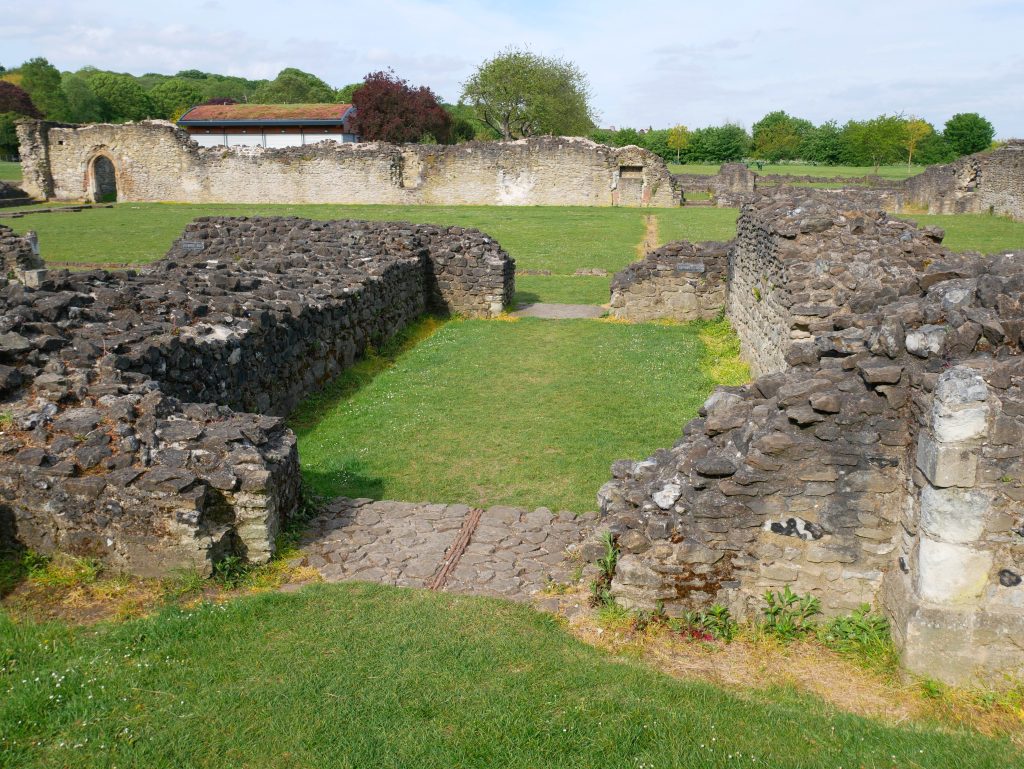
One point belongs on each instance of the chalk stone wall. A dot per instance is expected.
(155, 161)
(878, 457)
(132, 436)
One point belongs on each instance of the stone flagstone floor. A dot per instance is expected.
(511, 552)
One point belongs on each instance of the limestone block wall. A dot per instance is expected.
(155, 161)
(127, 440)
(682, 281)
(879, 462)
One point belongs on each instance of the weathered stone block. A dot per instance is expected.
(954, 515)
(950, 573)
(947, 464)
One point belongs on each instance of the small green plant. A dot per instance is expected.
(757, 293)
(863, 634)
(715, 623)
(788, 616)
(230, 572)
(601, 587)
(6, 419)
(183, 582)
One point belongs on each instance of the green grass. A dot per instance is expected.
(886, 172)
(10, 172)
(563, 289)
(976, 232)
(698, 224)
(530, 413)
(361, 675)
(559, 239)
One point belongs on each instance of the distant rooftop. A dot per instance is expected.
(238, 114)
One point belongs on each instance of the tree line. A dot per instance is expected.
(514, 94)
(779, 137)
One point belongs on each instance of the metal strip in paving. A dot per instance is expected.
(458, 547)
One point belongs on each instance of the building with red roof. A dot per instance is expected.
(269, 125)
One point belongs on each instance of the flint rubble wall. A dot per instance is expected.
(878, 456)
(155, 161)
(127, 438)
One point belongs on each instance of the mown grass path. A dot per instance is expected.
(529, 413)
(361, 675)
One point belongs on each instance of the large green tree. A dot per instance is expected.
(875, 142)
(121, 97)
(966, 132)
(519, 93)
(42, 82)
(84, 105)
(293, 86)
(779, 136)
(172, 97)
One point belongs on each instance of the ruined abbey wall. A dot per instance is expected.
(128, 436)
(155, 161)
(989, 182)
(877, 457)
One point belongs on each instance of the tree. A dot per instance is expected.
(678, 139)
(968, 132)
(916, 130)
(718, 144)
(778, 136)
(172, 97)
(42, 82)
(823, 144)
(389, 109)
(293, 86)
(874, 142)
(519, 93)
(16, 100)
(120, 97)
(15, 104)
(84, 105)
(344, 94)
(935, 149)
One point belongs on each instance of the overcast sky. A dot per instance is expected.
(659, 64)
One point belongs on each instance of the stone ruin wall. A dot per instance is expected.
(126, 439)
(989, 182)
(681, 281)
(881, 461)
(18, 252)
(155, 161)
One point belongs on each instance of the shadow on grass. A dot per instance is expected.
(523, 298)
(350, 480)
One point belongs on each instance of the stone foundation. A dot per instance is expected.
(680, 281)
(156, 161)
(877, 457)
(126, 436)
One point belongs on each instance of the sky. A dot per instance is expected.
(695, 63)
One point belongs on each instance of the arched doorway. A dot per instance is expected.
(104, 180)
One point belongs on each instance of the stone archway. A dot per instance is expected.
(103, 179)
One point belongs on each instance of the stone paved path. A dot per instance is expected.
(559, 311)
(511, 552)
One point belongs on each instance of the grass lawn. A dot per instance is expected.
(360, 675)
(976, 232)
(10, 172)
(886, 172)
(530, 413)
(560, 239)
